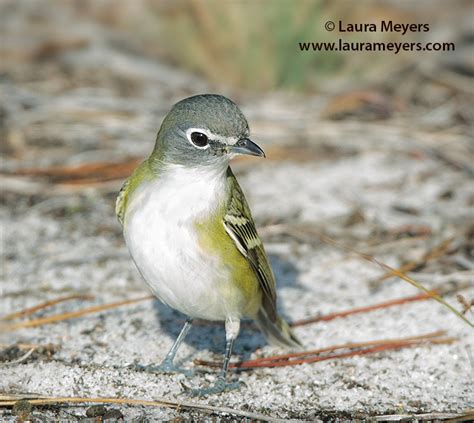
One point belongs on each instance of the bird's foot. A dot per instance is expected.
(166, 366)
(220, 386)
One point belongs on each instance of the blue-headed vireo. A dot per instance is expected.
(189, 229)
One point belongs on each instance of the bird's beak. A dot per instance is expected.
(247, 146)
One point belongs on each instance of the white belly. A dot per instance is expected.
(161, 236)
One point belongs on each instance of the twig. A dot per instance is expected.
(70, 315)
(8, 402)
(355, 349)
(46, 304)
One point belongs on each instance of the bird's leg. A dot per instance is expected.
(232, 327)
(167, 365)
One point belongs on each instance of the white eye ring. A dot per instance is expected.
(190, 131)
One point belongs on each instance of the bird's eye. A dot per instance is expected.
(199, 139)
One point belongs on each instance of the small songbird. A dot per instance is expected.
(190, 232)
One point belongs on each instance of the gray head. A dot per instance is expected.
(203, 130)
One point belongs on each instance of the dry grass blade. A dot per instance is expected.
(307, 233)
(30, 310)
(20, 359)
(70, 315)
(349, 350)
(6, 401)
(436, 252)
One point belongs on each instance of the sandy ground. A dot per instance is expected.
(360, 182)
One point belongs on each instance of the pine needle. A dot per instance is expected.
(441, 289)
(72, 314)
(306, 232)
(350, 349)
(9, 401)
(436, 252)
(358, 310)
(46, 304)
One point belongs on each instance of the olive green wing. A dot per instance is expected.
(141, 174)
(241, 228)
(121, 202)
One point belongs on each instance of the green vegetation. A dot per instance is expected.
(249, 44)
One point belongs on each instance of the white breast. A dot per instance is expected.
(161, 236)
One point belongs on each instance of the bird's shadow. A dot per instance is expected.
(210, 336)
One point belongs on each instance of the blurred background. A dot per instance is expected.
(373, 149)
(81, 73)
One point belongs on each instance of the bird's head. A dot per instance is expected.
(204, 130)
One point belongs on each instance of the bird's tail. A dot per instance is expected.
(277, 332)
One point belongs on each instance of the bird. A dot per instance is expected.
(190, 232)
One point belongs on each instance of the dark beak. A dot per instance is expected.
(247, 146)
